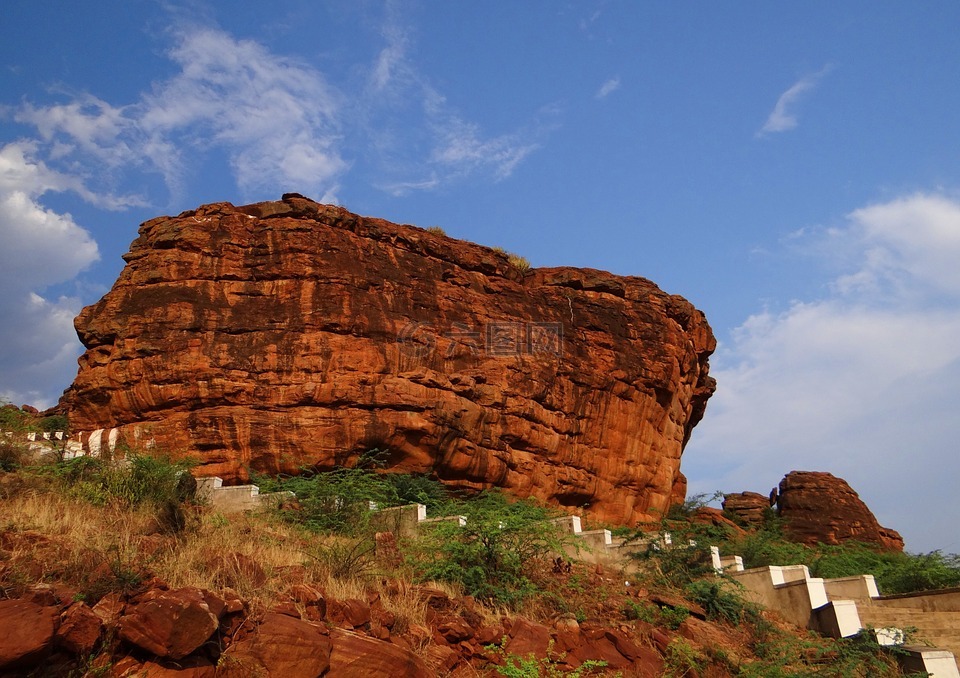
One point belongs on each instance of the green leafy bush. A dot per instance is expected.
(640, 611)
(515, 666)
(721, 599)
(136, 480)
(895, 572)
(495, 556)
(673, 617)
(436, 230)
(338, 501)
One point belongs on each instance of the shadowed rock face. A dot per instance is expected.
(750, 507)
(818, 507)
(283, 334)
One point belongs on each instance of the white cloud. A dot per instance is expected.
(860, 383)
(402, 188)
(275, 117)
(39, 248)
(783, 118)
(607, 88)
(442, 144)
(460, 147)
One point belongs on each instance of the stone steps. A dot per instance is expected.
(842, 607)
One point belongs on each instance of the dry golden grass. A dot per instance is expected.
(49, 537)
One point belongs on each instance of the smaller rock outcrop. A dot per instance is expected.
(818, 507)
(750, 508)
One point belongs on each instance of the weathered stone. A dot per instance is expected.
(818, 507)
(80, 629)
(453, 630)
(750, 508)
(289, 334)
(356, 656)
(27, 633)
(707, 515)
(109, 609)
(198, 668)
(602, 646)
(278, 646)
(169, 623)
(527, 637)
(442, 659)
(350, 612)
(313, 601)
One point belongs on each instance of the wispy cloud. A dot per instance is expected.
(459, 146)
(435, 139)
(783, 118)
(855, 382)
(607, 88)
(279, 123)
(276, 119)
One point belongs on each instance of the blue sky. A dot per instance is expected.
(792, 169)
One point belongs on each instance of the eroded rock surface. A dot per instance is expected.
(819, 507)
(283, 334)
(750, 507)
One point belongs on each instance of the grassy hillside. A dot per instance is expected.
(88, 530)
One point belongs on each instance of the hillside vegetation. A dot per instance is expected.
(487, 599)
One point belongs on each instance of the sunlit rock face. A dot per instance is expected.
(286, 334)
(818, 507)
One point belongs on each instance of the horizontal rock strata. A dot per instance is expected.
(286, 334)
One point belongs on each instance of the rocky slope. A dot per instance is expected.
(282, 334)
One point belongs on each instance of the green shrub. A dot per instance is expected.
(895, 572)
(137, 480)
(515, 666)
(417, 489)
(436, 230)
(673, 617)
(681, 659)
(338, 501)
(640, 611)
(720, 599)
(56, 422)
(496, 555)
(921, 572)
(12, 455)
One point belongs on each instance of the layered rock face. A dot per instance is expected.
(283, 334)
(749, 507)
(819, 507)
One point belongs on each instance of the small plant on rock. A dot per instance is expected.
(518, 262)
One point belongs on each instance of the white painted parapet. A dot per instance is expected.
(236, 498)
(814, 603)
